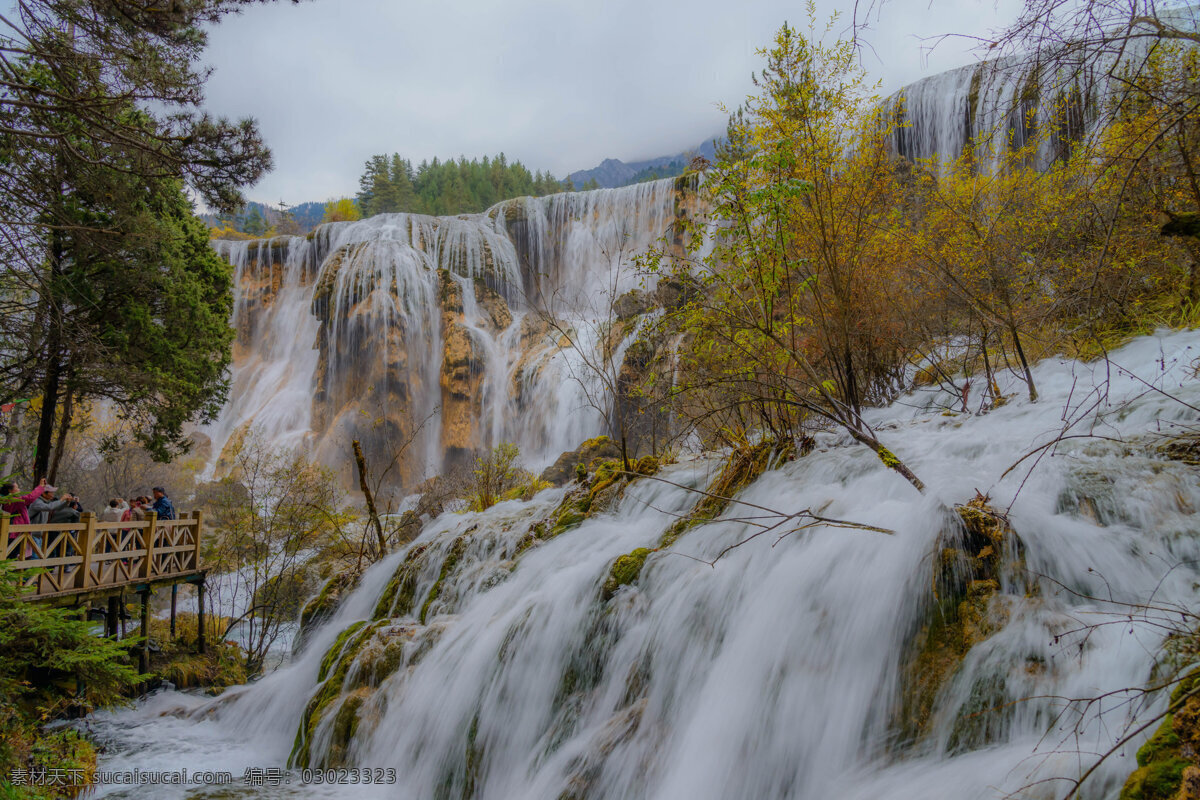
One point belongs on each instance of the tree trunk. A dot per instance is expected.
(9, 457)
(1033, 395)
(372, 514)
(992, 387)
(54, 351)
(50, 389)
(887, 457)
(60, 440)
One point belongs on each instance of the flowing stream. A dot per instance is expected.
(777, 672)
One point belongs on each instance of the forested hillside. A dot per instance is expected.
(391, 184)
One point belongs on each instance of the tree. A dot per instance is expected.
(800, 312)
(139, 319)
(1137, 60)
(996, 241)
(99, 131)
(254, 223)
(117, 296)
(117, 53)
(42, 646)
(342, 210)
(495, 474)
(268, 514)
(449, 187)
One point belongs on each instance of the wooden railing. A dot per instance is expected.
(89, 556)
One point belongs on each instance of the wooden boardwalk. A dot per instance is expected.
(90, 558)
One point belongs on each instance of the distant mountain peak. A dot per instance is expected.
(613, 172)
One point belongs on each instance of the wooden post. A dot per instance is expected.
(148, 564)
(110, 618)
(199, 527)
(86, 542)
(144, 657)
(174, 591)
(4, 536)
(200, 615)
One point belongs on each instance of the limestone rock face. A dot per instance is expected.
(430, 338)
(258, 282)
(461, 374)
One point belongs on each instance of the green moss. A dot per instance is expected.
(335, 651)
(888, 458)
(397, 599)
(977, 551)
(1162, 744)
(1172, 749)
(595, 443)
(334, 666)
(1159, 780)
(608, 473)
(744, 466)
(321, 607)
(625, 570)
(451, 561)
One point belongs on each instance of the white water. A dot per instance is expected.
(993, 105)
(774, 674)
(566, 256)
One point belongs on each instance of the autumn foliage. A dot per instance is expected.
(834, 274)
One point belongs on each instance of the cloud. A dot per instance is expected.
(557, 85)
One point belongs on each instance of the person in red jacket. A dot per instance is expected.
(19, 508)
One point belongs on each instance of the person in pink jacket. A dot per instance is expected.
(19, 508)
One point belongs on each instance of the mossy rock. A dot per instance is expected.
(1169, 762)
(345, 725)
(332, 676)
(564, 467)
(606, 485)
(743, 466)
(398, 596)
(453, 555)
(1184, 448)
(322, 607)
(977, 553)
(625, 570)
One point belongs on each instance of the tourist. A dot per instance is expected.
(71, 512)
(115, 511)
(42, 510)
(19, 508)
(137, 509)
(162, 504)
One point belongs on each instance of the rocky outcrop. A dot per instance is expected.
(1168, 765)
(566, 467)
(977, 554)
(462, 363)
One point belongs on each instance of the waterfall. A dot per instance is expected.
(1013, 101)
(443, 335)
(502, 671)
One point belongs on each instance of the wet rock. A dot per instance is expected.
(977, 553)
(563, 468)
(632, 304)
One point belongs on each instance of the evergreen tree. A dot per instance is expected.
(457, 186)
(254, 224)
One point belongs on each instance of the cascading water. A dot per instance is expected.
(491, 669)
(453, 332)
(1010, 102)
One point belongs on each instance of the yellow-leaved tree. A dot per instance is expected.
(341, 210)
(800, 313)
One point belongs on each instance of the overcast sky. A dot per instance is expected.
(559, 85)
